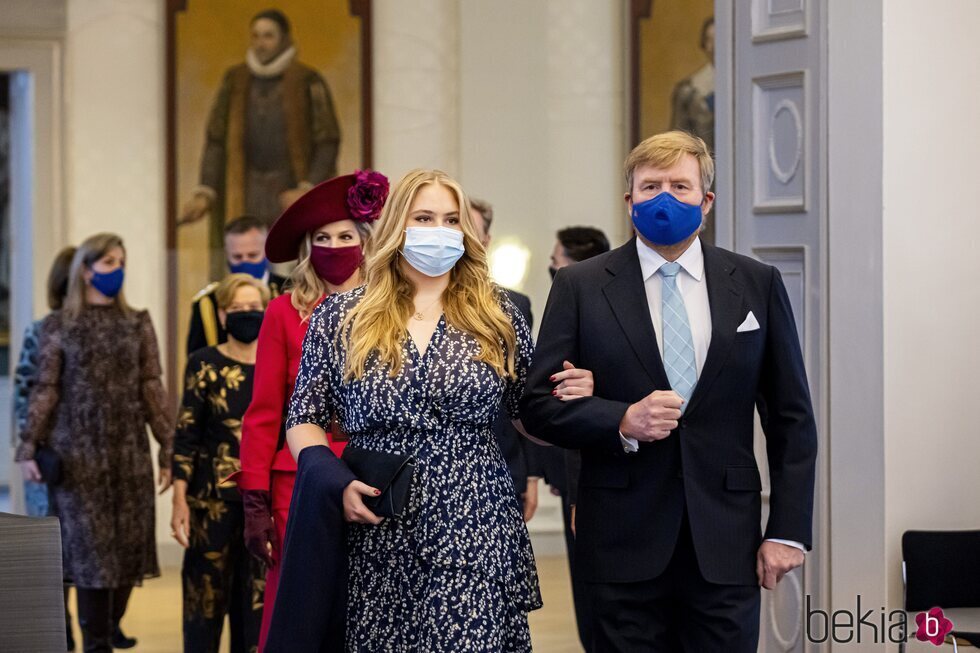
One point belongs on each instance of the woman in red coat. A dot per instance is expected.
(327, 231)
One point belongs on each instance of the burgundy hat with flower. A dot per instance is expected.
(358, 197)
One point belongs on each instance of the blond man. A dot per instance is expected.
(684, 340)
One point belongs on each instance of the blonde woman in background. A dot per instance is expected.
(98, 387)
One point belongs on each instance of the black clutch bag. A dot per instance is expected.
(391, 473)
(49, 463)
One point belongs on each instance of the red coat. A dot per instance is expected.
(280, 348)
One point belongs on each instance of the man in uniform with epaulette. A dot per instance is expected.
(245, 252)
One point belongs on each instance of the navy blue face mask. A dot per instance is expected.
(257, 270)
(108, 283)
(665, 220)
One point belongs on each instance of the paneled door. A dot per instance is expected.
(778, 183)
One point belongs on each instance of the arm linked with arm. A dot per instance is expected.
(585, 422)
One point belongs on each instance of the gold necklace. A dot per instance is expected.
(420, 315)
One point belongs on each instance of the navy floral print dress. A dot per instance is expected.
(456, 571)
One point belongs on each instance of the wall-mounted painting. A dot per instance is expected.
(673, 71)
(266, 98)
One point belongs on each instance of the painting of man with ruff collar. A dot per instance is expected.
(268, 100)
(271, 134)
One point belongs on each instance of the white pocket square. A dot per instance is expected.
(749, 324)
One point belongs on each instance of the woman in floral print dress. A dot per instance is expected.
(418, 362)
(219, 576)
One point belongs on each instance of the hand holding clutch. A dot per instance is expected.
(392, 474)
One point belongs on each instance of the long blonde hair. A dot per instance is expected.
(471, 301)
(305, 286)
(87, 254)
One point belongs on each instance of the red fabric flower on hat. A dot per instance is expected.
(366, 197)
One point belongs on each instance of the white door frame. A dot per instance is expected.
(37, 218)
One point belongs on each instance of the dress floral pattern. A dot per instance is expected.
(456, 572)
(98, 387)
(219, 576)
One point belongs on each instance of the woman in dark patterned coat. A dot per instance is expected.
(220, 577)
(98, 387)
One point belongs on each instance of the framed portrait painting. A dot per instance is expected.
(265, 99)
(672, 71)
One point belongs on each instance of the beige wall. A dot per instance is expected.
(931, 233)
(542, 130)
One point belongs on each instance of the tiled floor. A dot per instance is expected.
(154, 612)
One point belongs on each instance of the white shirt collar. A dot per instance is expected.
(692, 260)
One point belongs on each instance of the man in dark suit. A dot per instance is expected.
(684, 341)
(521, 454)
(245, 252)
(561, 467)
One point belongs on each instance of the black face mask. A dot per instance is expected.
(244, 326)
(552, 272)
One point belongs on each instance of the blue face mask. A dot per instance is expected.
(665, 220)
(433, 251)
(257, 270)
(108, 283)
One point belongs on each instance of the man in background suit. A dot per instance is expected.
(684, 340)
(521, 454)
(244, 252)
(562, 466)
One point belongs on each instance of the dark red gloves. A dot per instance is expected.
(260, 531)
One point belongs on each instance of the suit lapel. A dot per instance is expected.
(725, 300)
(628, 299)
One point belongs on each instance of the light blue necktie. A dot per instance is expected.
(679, 363)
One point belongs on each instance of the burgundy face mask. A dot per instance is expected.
(335, 265)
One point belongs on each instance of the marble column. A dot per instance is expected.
(416, 85)
(586, 115)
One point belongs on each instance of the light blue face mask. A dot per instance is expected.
(433, 251)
